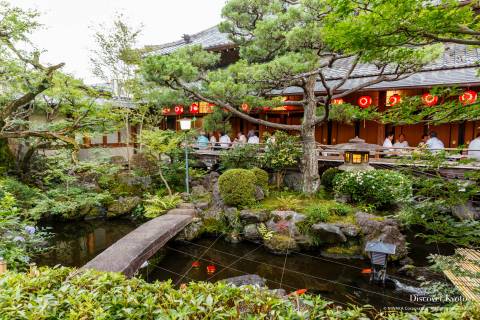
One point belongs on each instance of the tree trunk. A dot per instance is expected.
(310, 175)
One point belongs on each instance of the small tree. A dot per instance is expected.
(160, 143)
(283, 151)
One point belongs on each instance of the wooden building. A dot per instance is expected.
(457, 67)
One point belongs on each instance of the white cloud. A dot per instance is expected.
(67, 35)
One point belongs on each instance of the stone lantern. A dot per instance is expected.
(356, 155)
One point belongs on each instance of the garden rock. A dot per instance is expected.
(281, 244)
(292, 216)
(186, 205)
(293, 180)
(250, 232)
(465, 211)
(201, 206)
(232, 215)
(329, 233)
(198, 191)
(249, 279)
(259, 194)
(376, 228)
(122, 206)
(249, 216)
(217, 200)
(192, 231)
(350, 230)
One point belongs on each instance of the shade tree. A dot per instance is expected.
(284, 46)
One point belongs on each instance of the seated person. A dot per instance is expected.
(434, 144)
(388, 142)
(474, 148)
(401, 142)
(202, 141)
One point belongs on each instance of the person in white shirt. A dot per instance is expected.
(388, 141)
(474, 148)
(241, 139)
(213, 140)
(401, 142)
(252, 137)
(434, 144)
(225, 141)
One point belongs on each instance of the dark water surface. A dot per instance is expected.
(340, 280)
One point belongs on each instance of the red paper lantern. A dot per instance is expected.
(179, 110)
(194, 108)
(245, 108)
(429, 99)
(195, 264)
(211, 269)
(365, 102)
(394, 99)
(468, 97)
(166, 110)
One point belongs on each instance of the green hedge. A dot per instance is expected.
(50, 294)
(328, 176)
(379, 188)
(237, 187)
(261, 178)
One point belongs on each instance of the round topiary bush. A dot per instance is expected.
(380, 188)
(237, 187)
(261, 177)
(328, 176)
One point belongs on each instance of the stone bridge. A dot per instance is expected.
(130, 252)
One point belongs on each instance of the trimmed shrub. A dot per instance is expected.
(380, 188)
(328, 176)
(237, 187)
(261, 178)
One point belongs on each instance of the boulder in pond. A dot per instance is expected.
(387, 230)
(192, 231)
(249, 279)
(250, 232)
(251, 216)
(281, 244)
(122, 206)
(329, 233)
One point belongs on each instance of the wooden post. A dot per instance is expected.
(3, 266)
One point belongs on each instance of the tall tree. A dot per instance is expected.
(283, 45)
(28, 86)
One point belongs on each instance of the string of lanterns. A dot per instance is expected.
(364, 102)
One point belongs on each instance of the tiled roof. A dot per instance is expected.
(209, 39)
(458, 64)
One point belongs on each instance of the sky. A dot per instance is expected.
(67, 34)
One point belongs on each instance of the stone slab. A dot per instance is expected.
(130, 252)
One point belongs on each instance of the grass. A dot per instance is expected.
(344, 250)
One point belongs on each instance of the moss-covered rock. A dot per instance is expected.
(122, 206)
(237, 187)
(281, 244)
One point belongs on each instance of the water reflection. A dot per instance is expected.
(76, 243)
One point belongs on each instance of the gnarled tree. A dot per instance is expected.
(285, 46)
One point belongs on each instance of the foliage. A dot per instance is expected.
(240, 157)
(381, 188)
(25, 196)
(157, 205)
(217, 121)
(237, 187)
(328, 176)
(323, 211)
(264, 232)
(440, 225)
(70, 203)
(20, 240)
(213, 226)
(282, 151)
(261, 178)
(288, 202)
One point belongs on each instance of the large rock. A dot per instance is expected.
(350, 230)
(122, 206)
(329, 233)
(293, 180)
(465, 211)
(250, 232)
(259, 194)
(250, 216)
(376, 228)
(199, 191)
(285, 222)
(217, 200)
(281, 244)
(192, 231)
(249, 279)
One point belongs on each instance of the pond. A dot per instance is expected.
(343, 281)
